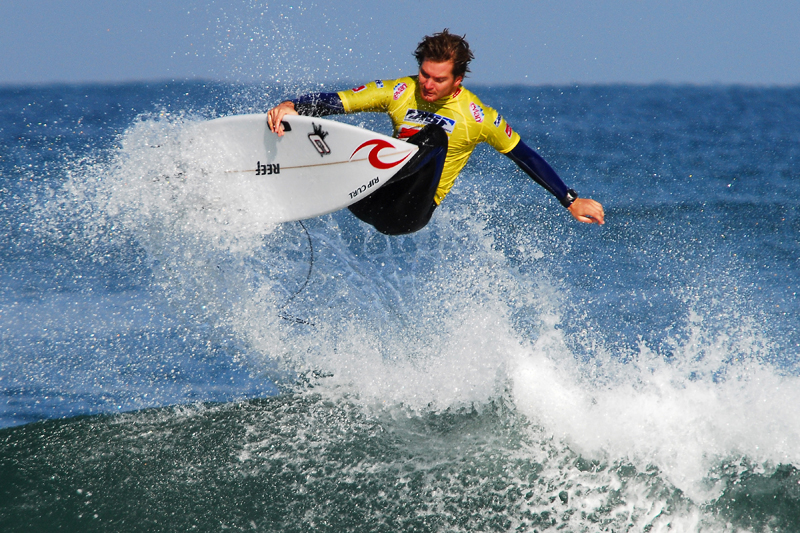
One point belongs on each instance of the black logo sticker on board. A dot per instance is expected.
(267, 169)
(317, 138)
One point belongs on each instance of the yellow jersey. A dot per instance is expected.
(465, 119)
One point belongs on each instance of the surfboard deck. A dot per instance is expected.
(317, 167)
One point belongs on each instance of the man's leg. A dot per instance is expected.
(405, 204)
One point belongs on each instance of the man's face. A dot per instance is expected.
(436, 80)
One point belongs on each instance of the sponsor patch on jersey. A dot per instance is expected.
(399, 89)
(509, 131)
(415, 116)
(458, 91)
(477, 112)
(358, 89)
(497, 121)
(379, 84)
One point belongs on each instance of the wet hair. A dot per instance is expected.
(444, 46)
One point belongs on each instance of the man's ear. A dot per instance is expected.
(458, 80)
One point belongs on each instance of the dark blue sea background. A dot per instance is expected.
(171, 361)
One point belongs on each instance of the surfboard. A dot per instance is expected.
(317, 167)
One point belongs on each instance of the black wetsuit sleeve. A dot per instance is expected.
(319, 104)
(542, 173)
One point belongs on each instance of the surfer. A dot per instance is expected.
(434, 111)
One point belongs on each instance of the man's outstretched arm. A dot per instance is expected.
(583, 209)
(313, 105)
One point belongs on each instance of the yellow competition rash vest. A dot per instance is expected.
(462, 115)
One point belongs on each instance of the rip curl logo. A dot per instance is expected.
(509, 131)
(477, 112)
(455, 94)
(317, 138)
(399, 89)
(374, 159)
(358, 89)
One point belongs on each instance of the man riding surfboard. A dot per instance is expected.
(434, 111)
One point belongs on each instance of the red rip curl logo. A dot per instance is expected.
(377, 146)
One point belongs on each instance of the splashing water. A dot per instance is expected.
(446, 374)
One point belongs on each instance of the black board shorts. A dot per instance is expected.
(405, 204)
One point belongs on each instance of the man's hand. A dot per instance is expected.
(586, 210)
(276, 114)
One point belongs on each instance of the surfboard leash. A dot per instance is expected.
(287, 316)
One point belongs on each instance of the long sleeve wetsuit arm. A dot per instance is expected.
(319, 104)
(542, 173)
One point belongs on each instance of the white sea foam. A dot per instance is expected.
(438, 335)
(659, 413)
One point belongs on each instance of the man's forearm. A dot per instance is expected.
(542, 173)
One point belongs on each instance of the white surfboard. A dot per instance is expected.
(317, 167)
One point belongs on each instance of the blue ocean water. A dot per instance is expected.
(170, 360)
